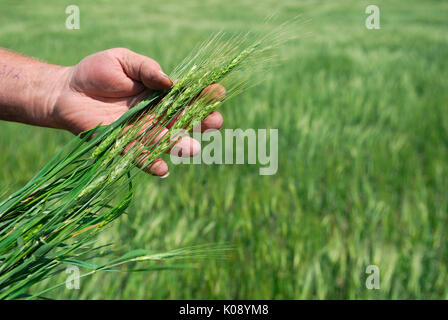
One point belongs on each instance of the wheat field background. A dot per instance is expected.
(363, 150)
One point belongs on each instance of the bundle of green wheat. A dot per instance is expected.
(52, 221)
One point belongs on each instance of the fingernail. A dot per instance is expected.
(165, 175)
(164, 74)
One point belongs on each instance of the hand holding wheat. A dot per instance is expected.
(103, 86)
(133, 114)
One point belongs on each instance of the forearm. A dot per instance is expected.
(28, 89)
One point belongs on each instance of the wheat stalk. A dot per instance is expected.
(53, 219)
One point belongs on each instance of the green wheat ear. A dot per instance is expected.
(53, 219)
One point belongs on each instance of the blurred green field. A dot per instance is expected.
(363, 158)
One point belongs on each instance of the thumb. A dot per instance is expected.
(144, 69)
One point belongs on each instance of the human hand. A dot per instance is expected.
(104, 85)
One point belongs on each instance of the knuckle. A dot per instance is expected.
(120, 51)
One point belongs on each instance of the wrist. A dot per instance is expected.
(47, 98)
